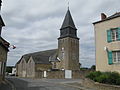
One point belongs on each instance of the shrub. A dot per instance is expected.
(113, 76)
(93, 75)
(105, 77)
(9, 69)
(93, 67)
(118, 81)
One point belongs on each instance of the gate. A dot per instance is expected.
(68, 74)
(45, 74)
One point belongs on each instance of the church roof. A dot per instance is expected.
(53, 58)
(117, 14)
(41, 57)
(68, 21)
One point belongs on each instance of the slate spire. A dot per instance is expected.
(68, 28)
(68, 21)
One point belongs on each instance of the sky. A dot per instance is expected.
(33, 25)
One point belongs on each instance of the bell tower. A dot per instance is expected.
(68, 45)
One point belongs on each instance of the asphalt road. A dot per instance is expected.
(5, 85)
(43, 84)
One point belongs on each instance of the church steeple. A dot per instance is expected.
(68, 28)
(68, 21)
(68, 45)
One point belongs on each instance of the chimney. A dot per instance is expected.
(103, 16)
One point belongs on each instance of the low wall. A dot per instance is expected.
(39, 74)
(56, 74)
(79, 73)
(98, 86)
(76, 74)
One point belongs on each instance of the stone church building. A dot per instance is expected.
(65, 58)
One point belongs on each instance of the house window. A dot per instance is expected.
(116, 56)
(113, 35)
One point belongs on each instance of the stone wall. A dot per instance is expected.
(56, 74)
(3, 54)
(3, 59)
(76, 74)
(30, 70)
(39, 74)
(98, 86)
(68, 53)
(43, 67)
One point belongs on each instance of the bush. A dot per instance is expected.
(93, 75)
(105, 77)
(93, 67)
(102, 78)
(9, 69)
(113, 76)
(118, 81)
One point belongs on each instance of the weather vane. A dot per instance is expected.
(68, 4)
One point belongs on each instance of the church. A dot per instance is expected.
(57, 62)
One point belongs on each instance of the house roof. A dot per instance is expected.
(68, 21)
(41, 57)
(4, 43)
(117, 14)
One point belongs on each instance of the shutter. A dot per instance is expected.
(118, 33)
(110, 61)
(109, 39)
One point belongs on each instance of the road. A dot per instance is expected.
(45, 84)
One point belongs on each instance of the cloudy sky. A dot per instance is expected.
(33, 25)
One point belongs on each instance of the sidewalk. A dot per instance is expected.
(78, 85)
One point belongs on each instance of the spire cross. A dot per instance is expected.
(68, 4)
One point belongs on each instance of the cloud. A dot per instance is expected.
(33, 25)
